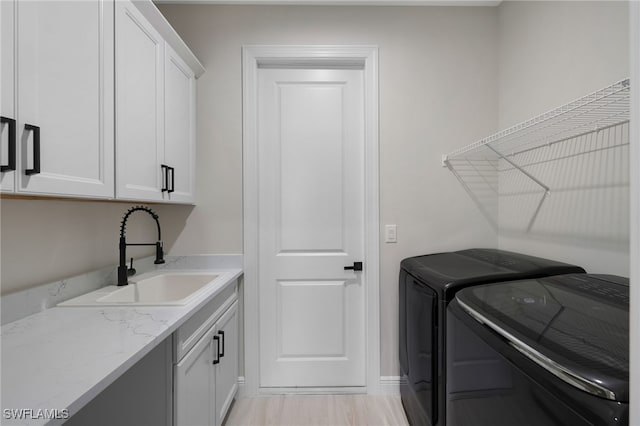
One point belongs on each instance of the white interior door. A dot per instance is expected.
(311, 225)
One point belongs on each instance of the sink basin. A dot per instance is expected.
(169, 288)
(165, 288)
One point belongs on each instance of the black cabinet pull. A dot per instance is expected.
(217, 340)
(221, 333)
(357, 266)
(165, 184)
(36, 149)
(168, 170)
(12, 145)
(173, 180)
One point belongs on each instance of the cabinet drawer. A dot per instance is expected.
(195, 327)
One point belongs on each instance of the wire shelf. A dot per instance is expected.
(486, 166)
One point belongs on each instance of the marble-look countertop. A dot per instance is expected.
(61, 358)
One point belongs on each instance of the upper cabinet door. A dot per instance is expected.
(65, 97)
(8, 125)
(179, 125)
(139, 106)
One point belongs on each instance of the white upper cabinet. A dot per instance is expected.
(139, 106)
(179, 126)
(8, 141)
(63, 90)
(98, 101)
(155, 107)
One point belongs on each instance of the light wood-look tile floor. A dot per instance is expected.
(317, 410)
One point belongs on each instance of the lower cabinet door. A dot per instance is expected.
(194, 394)
(226, 372)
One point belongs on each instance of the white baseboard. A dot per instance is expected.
(242, 390)
(390, 385)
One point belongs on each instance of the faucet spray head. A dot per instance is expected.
(159, 254)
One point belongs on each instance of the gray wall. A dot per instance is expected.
(48, 240)
(438, 91)
(550, 54)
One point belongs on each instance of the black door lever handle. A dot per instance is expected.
(357, 266)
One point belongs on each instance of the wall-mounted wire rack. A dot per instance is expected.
(481, 167)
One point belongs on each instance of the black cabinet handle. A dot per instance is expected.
(221, 333)
(165, 184)
(173, 180)
(357, 266)
(36, 149)
(12, 144)
(217, 340)
(168, 170)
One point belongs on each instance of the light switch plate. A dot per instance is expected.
(391, 234)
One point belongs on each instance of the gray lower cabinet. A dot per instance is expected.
(206, 368)
(226, 371)
(190, 379)
(194, 384)
(140, 397)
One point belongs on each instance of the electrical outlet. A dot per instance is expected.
(391, 234)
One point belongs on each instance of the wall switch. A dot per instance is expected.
(391, 234)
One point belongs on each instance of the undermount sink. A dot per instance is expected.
(168, 288)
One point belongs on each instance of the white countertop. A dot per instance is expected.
(62, 357)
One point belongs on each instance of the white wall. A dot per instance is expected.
(438, 91)
(634, 314)
(552, 53)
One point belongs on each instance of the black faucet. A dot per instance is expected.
(123, 271)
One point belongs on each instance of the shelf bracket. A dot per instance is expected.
(523, 171)
(492, 221)
(530, 176)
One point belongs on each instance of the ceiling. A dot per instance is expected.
(341, 2)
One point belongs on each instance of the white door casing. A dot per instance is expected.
(311, 220)
(291, 255)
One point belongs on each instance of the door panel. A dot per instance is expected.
(311, 319)
(311, 191)
(311, 152)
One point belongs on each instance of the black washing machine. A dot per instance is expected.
(427, 284)
(546, 352)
